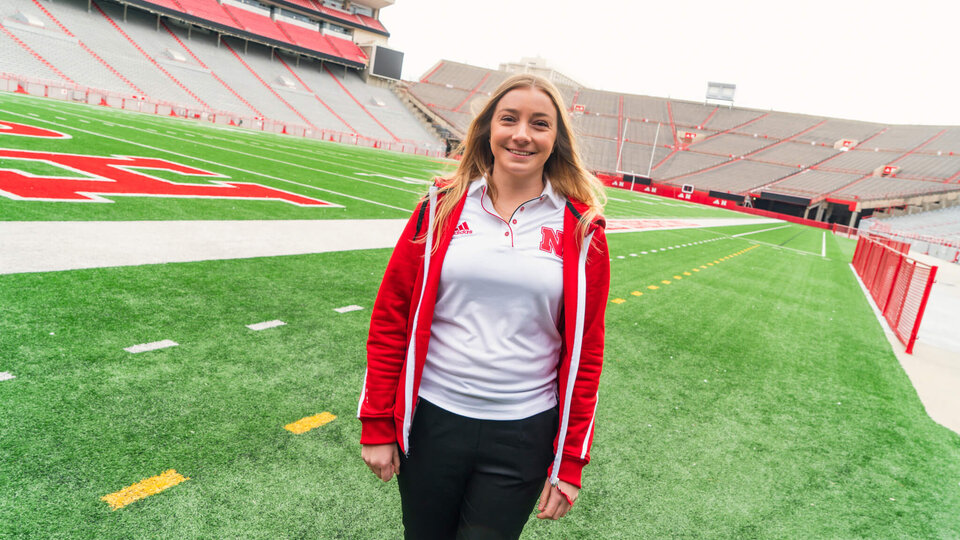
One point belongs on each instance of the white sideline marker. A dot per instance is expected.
(144, 347)
(347, 309)
(266, 324)
(823, 245)
(6, 376)
(755, 232)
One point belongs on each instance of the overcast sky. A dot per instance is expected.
(883, 61)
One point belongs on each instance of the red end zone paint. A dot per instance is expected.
(23, 130)
(113, 175)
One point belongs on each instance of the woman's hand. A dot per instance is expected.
(555, 502)
(383, 459)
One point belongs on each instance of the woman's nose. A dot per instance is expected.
(520, 133)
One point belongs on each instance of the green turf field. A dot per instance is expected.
(748, 390)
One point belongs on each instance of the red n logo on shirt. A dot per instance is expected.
(551, 241)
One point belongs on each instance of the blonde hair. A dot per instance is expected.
(564, 168)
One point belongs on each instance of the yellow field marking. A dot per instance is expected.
(618, 300)
(665, 282)
(304, 425)
(715, 262)
(653, 287)
(702, 266)
(709, 264)
(677, 277)
(144, 488)
(687, 274)
(695, 269)
(637, 293)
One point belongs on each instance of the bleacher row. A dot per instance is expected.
(254, 23)
(61, 42)
(935, 232)
(725, 149)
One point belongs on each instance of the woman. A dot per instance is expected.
(486, 338)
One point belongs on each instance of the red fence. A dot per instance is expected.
(900, 286)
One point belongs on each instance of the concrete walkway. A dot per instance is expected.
(45, 246)
(934, 366)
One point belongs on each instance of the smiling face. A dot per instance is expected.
(522, 134)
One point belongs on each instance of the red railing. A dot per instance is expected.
(900, 286)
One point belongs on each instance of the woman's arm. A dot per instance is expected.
(388, 337)
(582, 406)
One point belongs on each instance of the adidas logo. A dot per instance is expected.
(462, 228)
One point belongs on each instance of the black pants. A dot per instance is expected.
(471, 479)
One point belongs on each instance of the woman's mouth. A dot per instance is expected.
(519, 152)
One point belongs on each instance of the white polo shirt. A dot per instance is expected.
(494, 341)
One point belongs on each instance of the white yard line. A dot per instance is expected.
(218, 164)
(823, 245)
(755, 232)
(152, 346)
(266, 324)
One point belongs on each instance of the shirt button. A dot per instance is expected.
(514, 222)
(506, 234)
(521, 209)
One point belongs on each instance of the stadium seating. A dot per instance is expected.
(903, 137)
(834, 130)
(876, 187)
(778, 125)
(97, 31)
(209, 10)
(942, 223)
(730, 149)
(347, 49)
(812, 184)
(729, 145)
(929, 166)
(67, 55)
(386, 107)
(308, 39)
(18, 57)
(96, 49)
(863, 161)
(794, 153)
(597, 102)
(255, 23)
(653, 109)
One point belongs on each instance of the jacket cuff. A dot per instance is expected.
(571, 469)
(377, 431)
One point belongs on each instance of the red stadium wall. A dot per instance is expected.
(702, 197)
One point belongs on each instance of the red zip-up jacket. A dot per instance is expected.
(400, 334)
